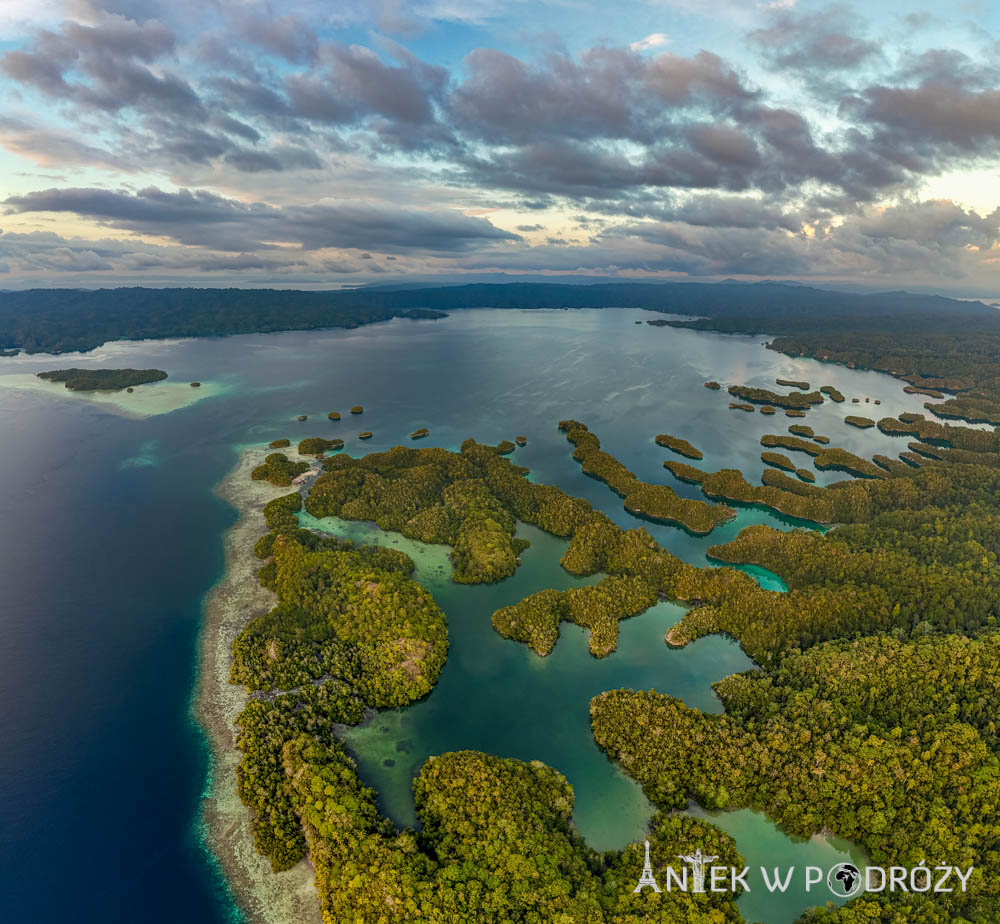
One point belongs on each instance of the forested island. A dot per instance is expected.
(103, 379)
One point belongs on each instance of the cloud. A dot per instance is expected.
(200, 218)
(290, 137)
(653, 40)
(822, 46)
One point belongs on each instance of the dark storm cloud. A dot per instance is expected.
(204, 219)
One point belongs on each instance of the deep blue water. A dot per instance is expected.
(110, 536)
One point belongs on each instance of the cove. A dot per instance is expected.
(764, 843)
(497, 695)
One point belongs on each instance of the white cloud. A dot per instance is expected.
(654, 40)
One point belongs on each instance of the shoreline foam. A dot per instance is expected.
(262, 896)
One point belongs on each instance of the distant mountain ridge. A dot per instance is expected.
(64, 320)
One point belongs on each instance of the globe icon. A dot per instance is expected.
(844, 880)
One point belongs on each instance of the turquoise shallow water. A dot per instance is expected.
(112, 535)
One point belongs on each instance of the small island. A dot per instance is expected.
(767, 409)
(792, 412)
(681, 447)
(279, 470)
(777, 460)
(365, 435)
(832, 393)
(279, 444)
(741, 407)
(918, 390)
(334, 415)
(302, 417)
(196, 384)
(715, 386)
(419, 433)
(805, 475)
(792, 383)
(795, 399)
(505, 447)
(103, 379)
(521, 440)
(357, 409)
(427, 314)
(862, 423)
(684, 472)
(316, 446)
(801, 430)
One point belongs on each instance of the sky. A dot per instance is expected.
(311, 143)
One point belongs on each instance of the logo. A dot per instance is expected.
(844, 880)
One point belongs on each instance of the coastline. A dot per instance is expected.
(262, 896)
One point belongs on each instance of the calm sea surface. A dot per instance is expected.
(111, 535)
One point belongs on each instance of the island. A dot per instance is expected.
(419, 433)
(862, 423)
(768, 410)
(791, 412)
(103, 379)
(741, 407)
(792, 383)
(676, 444)
(795, 399)
(832, 393)
(715, 386)
(317, 445)
(653, 501)
(424, 314)
(365, 435)
(801, 430)
(521, 440)
(333, 415)
(279, 444)
(279, 470)
(357, 409)
(777, 460)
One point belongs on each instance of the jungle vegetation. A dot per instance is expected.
(279, 470)
(103, 379)
(676, 444)
(655, 501)
(872, 715)
(317, 445)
